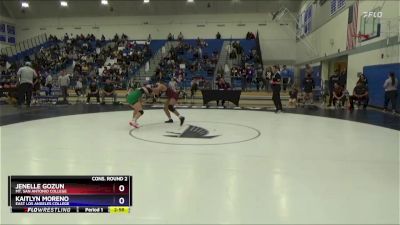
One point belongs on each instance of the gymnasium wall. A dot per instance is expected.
(326, 40)
(332, 36)
(277, 41)
(357, 62)
(376, 75)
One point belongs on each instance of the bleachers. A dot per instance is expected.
(214, 46)
(31, 51)
(156, 45)
(211, 49)
(247, 47)
(52, 98)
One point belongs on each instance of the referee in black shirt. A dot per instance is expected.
(276, 88)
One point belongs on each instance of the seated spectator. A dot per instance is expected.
(222, 85)
(36, 86)
(293, 97)
(338, 95)
(78, 87)
(249, 75)
(360, 94)
(93, 92)
(85, 69)
(108, 91)
(362, 79)
(233, 54)
(49, 84)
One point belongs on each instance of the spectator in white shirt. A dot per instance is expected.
(78, 87)
(25, 76)
(63, 82)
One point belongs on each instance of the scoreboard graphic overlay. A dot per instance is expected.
(70, 194)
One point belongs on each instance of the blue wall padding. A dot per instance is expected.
(376, 75)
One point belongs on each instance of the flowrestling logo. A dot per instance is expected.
(372, 14)
(195, 133)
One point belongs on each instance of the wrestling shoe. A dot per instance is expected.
(134, 124)
(182, 119)
(169, 121)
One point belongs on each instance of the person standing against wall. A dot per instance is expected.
(343, 78)
(276, 88)
(25, 77)
(390, 87)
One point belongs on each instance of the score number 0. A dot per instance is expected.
(121, 200)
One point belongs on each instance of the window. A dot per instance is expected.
(7, 33)
(304, 22)
(307, 20)
(333, 6)
(3, 37)
(340, 3)
(337, 5)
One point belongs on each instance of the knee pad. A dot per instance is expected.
(141, 112)
(171, 108)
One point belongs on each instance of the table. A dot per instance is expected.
(227, 95)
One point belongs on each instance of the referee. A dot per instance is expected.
(25, 79)
(276, 88)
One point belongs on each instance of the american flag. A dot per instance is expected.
(352, 26)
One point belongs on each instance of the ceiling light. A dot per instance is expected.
(146, 1)
(64, 3)
(104, 2)
(190, 1)
(24, 4)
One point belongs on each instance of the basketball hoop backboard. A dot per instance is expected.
(370, 26)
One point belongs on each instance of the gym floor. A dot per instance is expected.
(307, 165)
